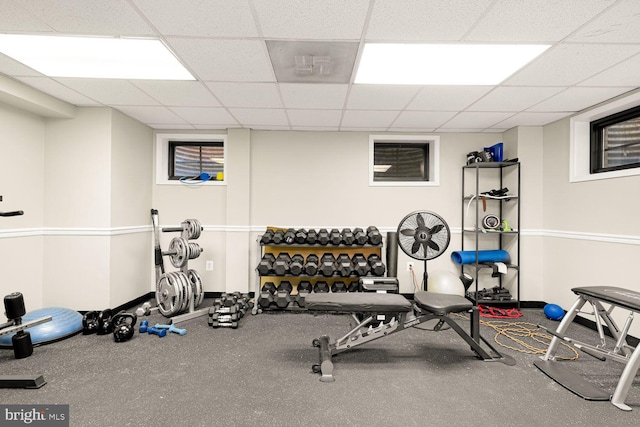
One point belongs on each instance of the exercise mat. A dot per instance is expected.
(469, 257)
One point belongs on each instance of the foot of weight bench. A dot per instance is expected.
(21, 381)
(325, 368)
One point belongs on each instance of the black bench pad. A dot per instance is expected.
(612, 295)
(441, 304)
(359, 302)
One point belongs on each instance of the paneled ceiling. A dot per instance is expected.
(595, 56)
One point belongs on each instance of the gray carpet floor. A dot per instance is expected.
(260, 374)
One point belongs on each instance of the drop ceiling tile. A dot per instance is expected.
(311, 19)
(393, 128)
(423, 20)
(368, 119)
(447, 98)
(53, 88)
(208, 18)
(260, 116)
(380, 97)
(175, 93)
(109, 91)
(456, 130)
(422, 119)
(568, 64)
(319, 118)
(204, 115)
(316, 128)
(473, 120)
(224, 60)
(578, 98)
(214, 128)
(625, 73)
(152, 115)
(15, 19)
(534, 21)
(253, 95)
(619, 24)
(115, 17)
(317, 96)
(513, 98)
(362, 129)
(530, 119)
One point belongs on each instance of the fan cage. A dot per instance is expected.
(421, 221)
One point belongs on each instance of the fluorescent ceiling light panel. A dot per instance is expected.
(95, 57)
(443, 64)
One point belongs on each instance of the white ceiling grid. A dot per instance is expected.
(595, 55)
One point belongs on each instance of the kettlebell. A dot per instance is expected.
(124, 326)
(90, 322)
(104, 322)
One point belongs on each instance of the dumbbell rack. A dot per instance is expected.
(179, 293)
(305, 250)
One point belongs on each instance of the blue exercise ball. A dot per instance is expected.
(553, 311)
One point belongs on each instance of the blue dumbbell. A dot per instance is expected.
(159, 332)
(144, 325)
(171, 328)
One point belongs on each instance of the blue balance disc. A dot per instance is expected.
(64, 324)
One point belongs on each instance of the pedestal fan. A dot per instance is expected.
(423, 235)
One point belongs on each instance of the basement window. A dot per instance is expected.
(196, 160)
(190, 158)
(615, 142)
(403, 160)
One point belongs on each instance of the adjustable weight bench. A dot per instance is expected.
(621, 352)
(403, 314)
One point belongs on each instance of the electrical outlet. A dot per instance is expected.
(209, 266)
(409, 265)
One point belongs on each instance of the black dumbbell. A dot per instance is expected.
(354, 286)
(347, 236)
(265, 266)
(361, 266)
(297, 265)
(321, 287)
(232, 325)
(224, 317)
(301, 236)
(217, 308)
(266, 294)
(377, 267)
(311, 265)
(360, 236)
(267, 237)
(289, 236)
(283, 294)
(312, 237)
(373, 235)
(323, 236)
(304, 289)
(334, 236)
(338, 286)
(327, 265)
(278, 237)
(281, 264)
(345, 267)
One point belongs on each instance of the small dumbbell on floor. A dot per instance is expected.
(171, 328)
(144, 327)
(232, 325)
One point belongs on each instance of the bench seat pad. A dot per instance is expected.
(617, 296)
(441, 304)
(358, 302)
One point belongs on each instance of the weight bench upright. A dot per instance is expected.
(621, 352)
(427, 306)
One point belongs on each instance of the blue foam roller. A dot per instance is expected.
(65, 323)
(469, 257)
